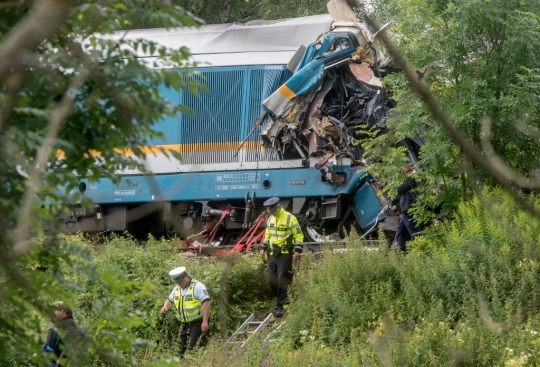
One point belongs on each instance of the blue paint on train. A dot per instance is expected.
(367, 207)
(297, 182)
(223, 116)
(233, 185)
(169, 125)
(333, 48)
(226, 111)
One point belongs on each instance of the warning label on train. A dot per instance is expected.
(237, 177)
(124, 192)
(237, 187)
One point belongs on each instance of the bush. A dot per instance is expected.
(465, 295)
(125, 286)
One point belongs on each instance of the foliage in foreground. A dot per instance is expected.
(466, 295)
(117, 288)
(71, 101)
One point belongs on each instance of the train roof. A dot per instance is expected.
(233, 44)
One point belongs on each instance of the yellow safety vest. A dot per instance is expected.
(188, 308)
(281, 230)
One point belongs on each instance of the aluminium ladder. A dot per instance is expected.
(275, 333)
(249, 328)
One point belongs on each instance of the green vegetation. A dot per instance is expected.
(480, 62)
(118, 287)
(67, 93)
(466, 295)
(239, 11)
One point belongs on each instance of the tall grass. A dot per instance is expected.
(122, 286)
(465, 295)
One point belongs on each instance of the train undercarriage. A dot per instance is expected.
(226, 222)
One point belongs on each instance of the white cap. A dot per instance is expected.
(177, 273)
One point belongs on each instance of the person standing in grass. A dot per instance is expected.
(406, 198)
(64, 329)
(192, 303)
(283, 236)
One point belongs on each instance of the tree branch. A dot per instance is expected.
(472, 152)
(44, 20)
(58, 114)
(497, 162)
(527, 129)
(13, 4)
(14, 85)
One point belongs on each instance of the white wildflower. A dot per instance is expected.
(523, 358)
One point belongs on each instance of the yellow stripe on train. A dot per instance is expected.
(286, 91)
(179, 148)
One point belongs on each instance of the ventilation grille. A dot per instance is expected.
(266, 81)
(225, 114)
(209, 136)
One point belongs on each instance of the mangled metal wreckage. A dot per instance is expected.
(335, 88)
(302, 147)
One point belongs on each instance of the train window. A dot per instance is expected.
(337, 45)
(343, 175)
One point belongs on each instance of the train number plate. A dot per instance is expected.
(237, 177)
(298, 182)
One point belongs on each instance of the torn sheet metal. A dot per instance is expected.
(335, 88)
(335, 49)
(364, 74)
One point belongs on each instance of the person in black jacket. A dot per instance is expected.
(65, 327)
(406, 198)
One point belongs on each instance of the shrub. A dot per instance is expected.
(123, 287)
(465, 295)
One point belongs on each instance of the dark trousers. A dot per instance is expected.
(405, 231)
(194, 330)
(280, 275)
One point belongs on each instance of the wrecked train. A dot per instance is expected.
(299, 144)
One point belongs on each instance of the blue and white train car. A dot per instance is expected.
(218, 183)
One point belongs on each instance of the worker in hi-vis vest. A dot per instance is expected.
(192, 303)
(283, 236)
